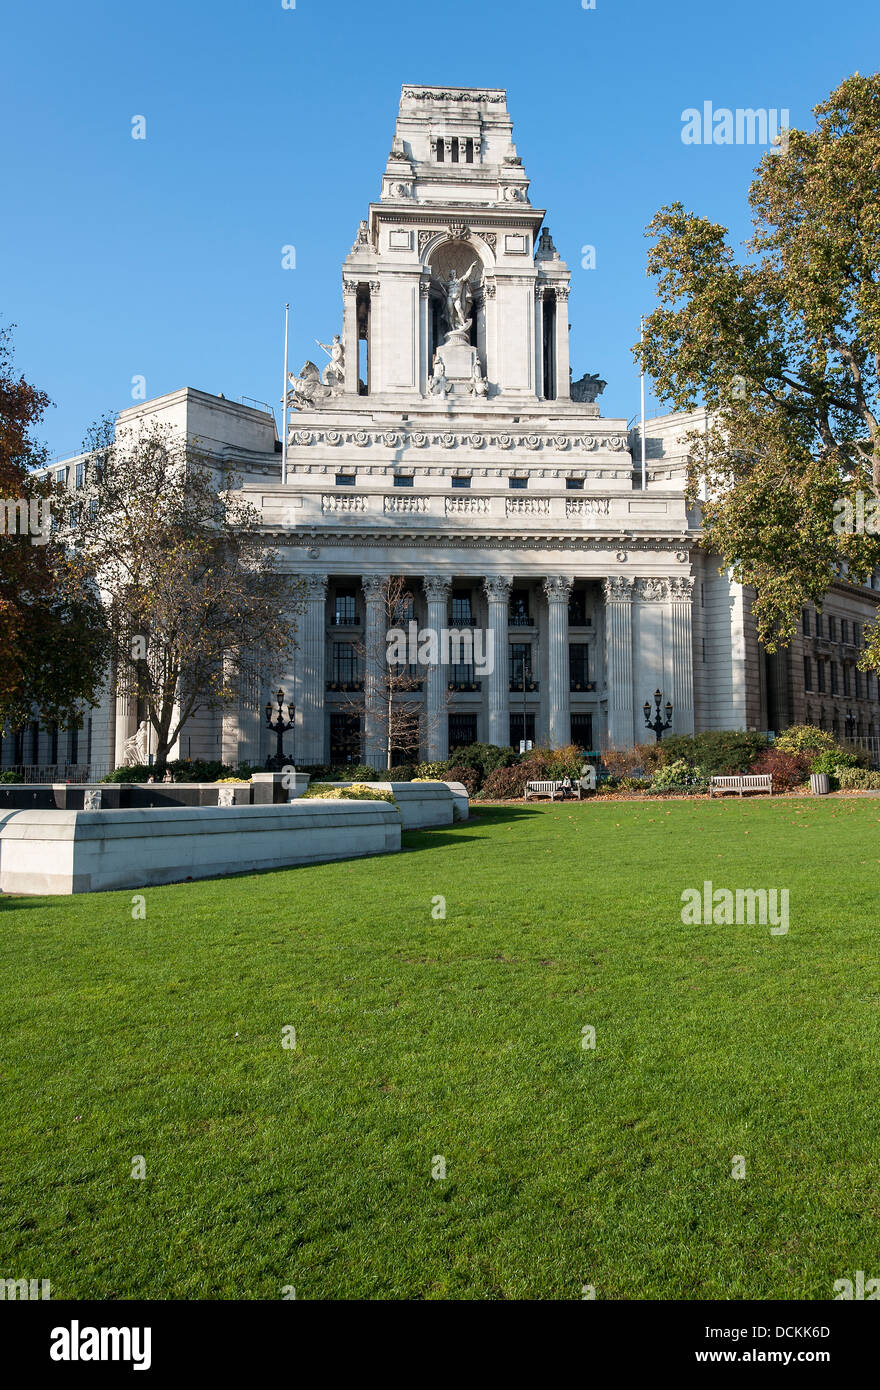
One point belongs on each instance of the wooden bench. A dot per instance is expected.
(553, 789)
(746, 782)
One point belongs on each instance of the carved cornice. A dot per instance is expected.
(450, 439)
(432, 94)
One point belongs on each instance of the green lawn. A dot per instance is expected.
(461, 1037)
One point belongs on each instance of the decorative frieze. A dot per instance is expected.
(651, 590)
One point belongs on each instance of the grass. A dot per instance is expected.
(419, 1036)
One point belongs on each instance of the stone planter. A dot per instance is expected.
(820, 784)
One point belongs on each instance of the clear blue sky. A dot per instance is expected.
(269, 126)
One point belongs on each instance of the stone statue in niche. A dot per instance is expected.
(334, 372)
(587, 389)
(457, 297)
(438, 384)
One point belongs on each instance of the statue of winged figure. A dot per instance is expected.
(307, 388)
(457, 297)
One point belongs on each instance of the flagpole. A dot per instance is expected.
(642, 387)
(284, 401)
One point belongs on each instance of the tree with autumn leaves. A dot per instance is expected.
(53, 630)
(783, 350)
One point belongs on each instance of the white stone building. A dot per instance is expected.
(445, 442)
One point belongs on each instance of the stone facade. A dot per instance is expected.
(443, 441)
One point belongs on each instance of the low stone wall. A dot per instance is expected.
(61, 852)
(423, 805)
(265, 789)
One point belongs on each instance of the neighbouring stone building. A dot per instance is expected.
(445, 441)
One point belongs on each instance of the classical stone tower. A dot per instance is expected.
(454, 204)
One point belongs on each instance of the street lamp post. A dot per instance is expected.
(657, 724)
(279, 726)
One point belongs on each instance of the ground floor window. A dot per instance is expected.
(522, 726)
(582, 730)
(462, 730)
(345, 738)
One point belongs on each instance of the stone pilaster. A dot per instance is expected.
(309, 674)
(618, 659)
(375, 730)
(558, 590)
(563, 357)
(681, 596)
(350, 335)
(436, 724)
(497, 589)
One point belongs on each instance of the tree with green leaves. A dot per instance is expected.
(53, 633)
(782, 348)
(197, 604)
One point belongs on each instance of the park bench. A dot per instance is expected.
(553, 789)
(746, 782)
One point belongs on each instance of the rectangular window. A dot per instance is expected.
(582, 730)
(704, 649)
(818, 624)
(35, 741)
(833, 677)
(468, 151)
(808, 673)
(345, 738)
(345, 664)
(574, 484)
(461, 482)
(832, 628)
(577, 608)
(345, 608)
(462, 730)
(93, 508)
(462, 674)
(454, 143)
(820, 676)
(403, 480)
(517, 482)
(441, 152)
(462, 612)
(520, 665)
(61, 476)
(844, 630)
(522, 726)
(702, 595)
(73, 746)
(80, 474)
(578, 665)
(519, 615)
(858, 684)
(857, 634)
(847, 687)
(346, 479)
(805, 622)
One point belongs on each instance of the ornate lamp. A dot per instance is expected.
(279, 726)
(657, 724)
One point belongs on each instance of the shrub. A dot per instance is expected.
(634, 784)
(483, 758)
(672, 775)
(468, 776)
(803, 738)
(357, 792)
(787, 769)
(629, 762)
(851, 779)
(565, 762)
(717, 751)
(832, 760)
(431, 771)
(509, 783)
(353, 772)
(9, 776)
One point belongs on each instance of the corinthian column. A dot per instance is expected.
(375, 730)
(309, 662)
(558, 590)
(497, 589)
(618, 655)
(437, 729)
(681, 595)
